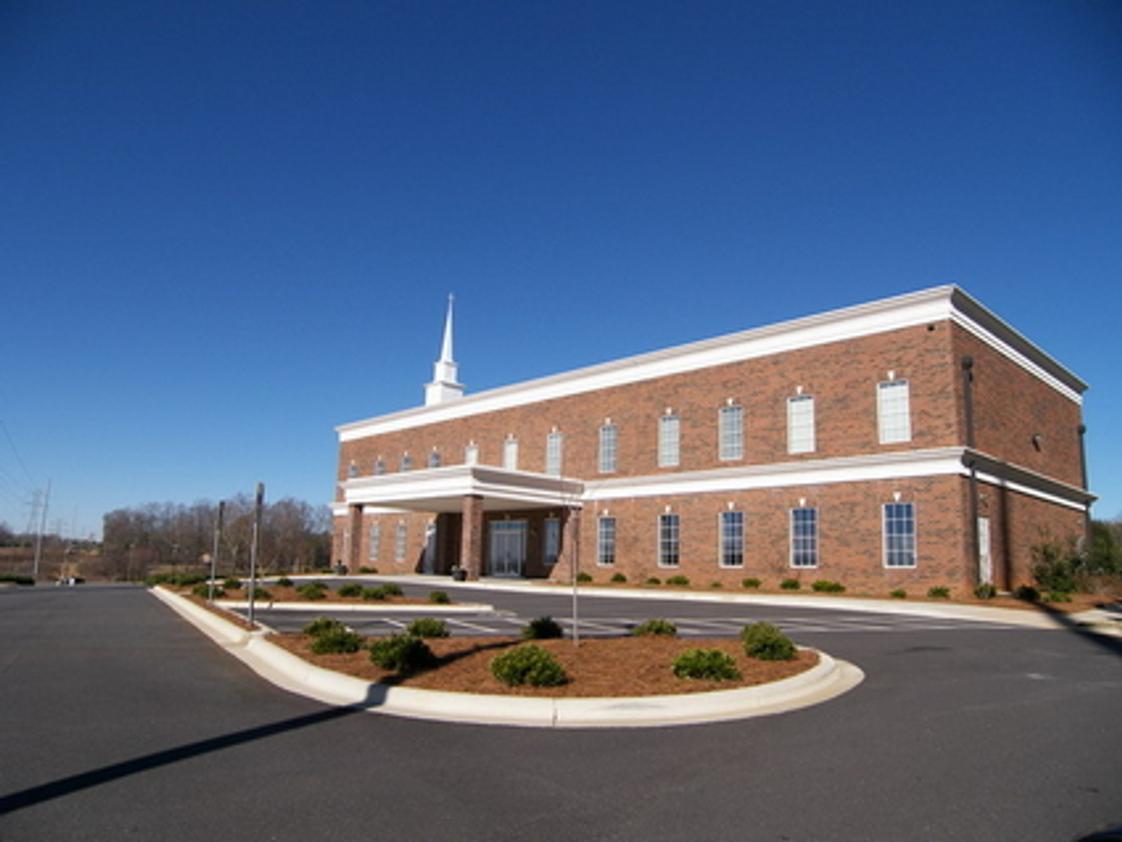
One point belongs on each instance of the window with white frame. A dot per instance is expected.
(434, 459)
(800, 424)
(471, 454)
(399, 541)
(406, 462)
(731, 432)
(510, 453)
(667, 540)
(379, 466)
(375, 542)
(894, 418)
(732, 539)
(352, 470)
(669, 430)
(609, 440)
(899, 535)
(553, 446)
(606, 541)
(551, 541)
(804, 537)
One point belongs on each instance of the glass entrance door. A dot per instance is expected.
(508, 547)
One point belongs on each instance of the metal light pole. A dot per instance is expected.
(575, 551)
(214, 554)
(253, 546)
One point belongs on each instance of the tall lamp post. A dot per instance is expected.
(253, 547)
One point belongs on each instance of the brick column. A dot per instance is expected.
(471, 541)
(569, 559)
(353, 558)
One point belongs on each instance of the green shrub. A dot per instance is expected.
(678, 579)
(715, 585)
(767, 643)
(16, 579)
(528, 664)
(232, 583)
(899, 593)
(1054, 567)
(202, 590)
(985, 591)
(710, 664)
(336, 641)
(1057, 596)
(261, 593)
(618, 578)
(350, 589)
(284, 582)
(322, 625)
(313, 590)
(750, 582)
(541, 628)
(790, 584)
(427, 627)
(1027, 592)
(439, 597)
(827, 586)
(584, 577)
(182, 580)
(663, 628)
(939, 592)
(367, 569)
(401, 653)
(391, 589)
(370, 594)
(654, 580)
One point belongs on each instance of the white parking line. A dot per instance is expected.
(473, 626)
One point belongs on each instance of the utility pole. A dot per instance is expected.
(214, 554)
(39, 534)
(253, 547)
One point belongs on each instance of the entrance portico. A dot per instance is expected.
(463, 493)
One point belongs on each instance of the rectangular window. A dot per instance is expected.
(731, 432)
(510, 454)
(732, 539)
(471, 454)
(668, 432)
(375, 542)
(606, 541)
(804, 537)
(553, 444)
(800, 424)
(551, 541)
(406, 462)
(379, 466)
(667, 540)
(399, 540)
(899, 535)
(609, 438)
(352, 470)
(434, 459)
(893, 412)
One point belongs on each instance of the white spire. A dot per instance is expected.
(444, 385)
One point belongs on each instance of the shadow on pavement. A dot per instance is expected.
(1111, 644)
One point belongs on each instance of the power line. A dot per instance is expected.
(19, 458)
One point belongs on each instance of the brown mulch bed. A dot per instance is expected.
(228, 616)
(330, 597)
(618, 666)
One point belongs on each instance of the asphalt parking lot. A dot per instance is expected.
(121, 721)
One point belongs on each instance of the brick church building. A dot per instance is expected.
(913, 441)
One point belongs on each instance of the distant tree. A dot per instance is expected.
(7, 537)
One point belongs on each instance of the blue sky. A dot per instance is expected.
(226, 227)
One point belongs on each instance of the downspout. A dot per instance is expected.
(968, 405)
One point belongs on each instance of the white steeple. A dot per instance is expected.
(444, 386)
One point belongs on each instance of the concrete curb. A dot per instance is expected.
(949, 611)
(432, 609)
(827, 680)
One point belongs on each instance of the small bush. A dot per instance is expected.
(439, 597)
(790, 584)
(939, 592)
(985, 591)
(202, 590)
(663, 628)
(710, 664)
(541, 628)
(370, 594)
(1054, 567)
(1027, 592)
(232, 583)
(528, 664)
(584, 577)
(427, 627)
(312, 590)
(750, 582)
(284, 582)
(350, 589)
(261, 593)
(827, 586)
(715, 585)
(654, 580)
(390, 589)
(322, 625)
(678, 579)
(336, 641)
(618, 578)
(899, 593)
(767, 643)
(367, 569)
(1057, 596)
(16, 579)
(401, 653)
